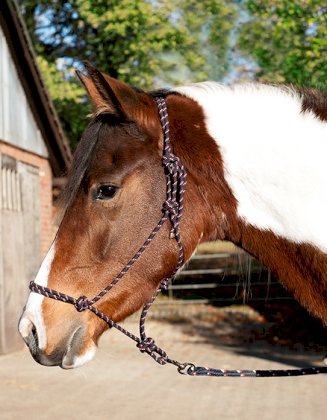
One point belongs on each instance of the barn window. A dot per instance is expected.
(11, 198)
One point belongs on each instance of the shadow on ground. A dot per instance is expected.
(275, 332)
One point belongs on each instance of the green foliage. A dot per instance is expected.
(206, 26)
(288, 40)
(152, 43)
(68, 97)
(144, 43)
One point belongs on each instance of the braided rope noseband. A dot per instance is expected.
(172, 210)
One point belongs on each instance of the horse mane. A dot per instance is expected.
(311, 100)
(314, 100)
(156, 93)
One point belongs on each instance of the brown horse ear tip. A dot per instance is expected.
(79, 74)
(90, 68)
(87, 64)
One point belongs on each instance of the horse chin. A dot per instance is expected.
(71, 361)
(78, 353)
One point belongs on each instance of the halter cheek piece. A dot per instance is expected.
(172, 210)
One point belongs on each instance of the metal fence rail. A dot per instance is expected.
(236, 273)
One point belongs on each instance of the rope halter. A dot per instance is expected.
(172, 210)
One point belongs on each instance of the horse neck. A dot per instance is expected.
(255, 182)
(301, 268)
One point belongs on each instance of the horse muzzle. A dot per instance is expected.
(71, 352)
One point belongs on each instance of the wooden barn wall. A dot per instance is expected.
(19, 243)
(17, 124)
(26, 211)
(25, 199)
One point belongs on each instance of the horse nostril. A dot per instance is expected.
(35, 337)
(28, 331)
(32, 341)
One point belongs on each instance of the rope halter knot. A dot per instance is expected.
(172, 207)
(147, 345)
(164, 283)
(172, 163)
(82, 303)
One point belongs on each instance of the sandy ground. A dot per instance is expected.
(123, 384)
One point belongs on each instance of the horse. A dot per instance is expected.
(255, 156)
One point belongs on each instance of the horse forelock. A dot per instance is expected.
(86, 150)
(81, 162)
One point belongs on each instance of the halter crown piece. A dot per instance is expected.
(172, 210)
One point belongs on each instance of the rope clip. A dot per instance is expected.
(183, 368)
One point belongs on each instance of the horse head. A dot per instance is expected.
(113, 199)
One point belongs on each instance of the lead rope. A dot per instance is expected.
(172, 210)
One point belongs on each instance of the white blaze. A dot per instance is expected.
(274, 157)
(33, 310)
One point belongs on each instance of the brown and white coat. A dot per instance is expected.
(256, 161)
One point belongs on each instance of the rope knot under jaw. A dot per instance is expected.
(172, 163)
(171, 206)
(165, 283)
(82, 303)
(148, 346)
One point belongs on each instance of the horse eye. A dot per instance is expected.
(105, 192)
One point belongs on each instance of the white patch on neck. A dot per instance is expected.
(274, 157)
(33, 310)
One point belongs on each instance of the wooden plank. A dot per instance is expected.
(8, 187)
(190, 286)
(13, 274)
(4, 188)
(30, 196)
(238, 301)
(214, 256)
(193, 286)
(20, 248)
(18, 193)
(198, 272)
(13, 190)
(180, 301)
(2, 306)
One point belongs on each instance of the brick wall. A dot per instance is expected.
(46, 224)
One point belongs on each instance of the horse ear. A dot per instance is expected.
(109, 95)
(96, 98)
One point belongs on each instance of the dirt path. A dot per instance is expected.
(123, 384)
